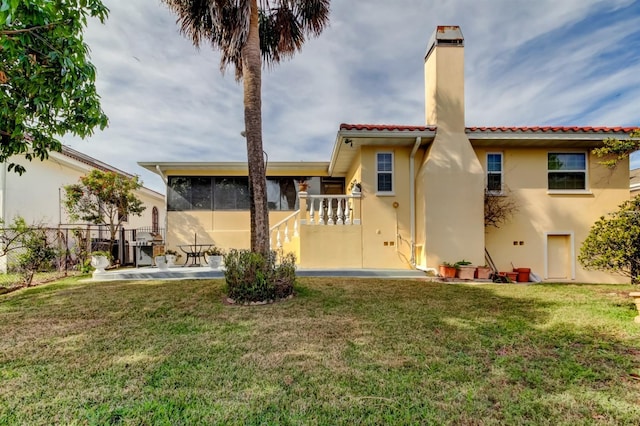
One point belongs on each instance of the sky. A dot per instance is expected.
(527, 63)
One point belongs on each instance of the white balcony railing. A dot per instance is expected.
(281, 229)
(332, 209)
(337, 210)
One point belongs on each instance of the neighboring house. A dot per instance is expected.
(38, 194)
(634, 182)
(423, 189)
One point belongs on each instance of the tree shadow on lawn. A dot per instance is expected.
(527, 354)
(432, 352)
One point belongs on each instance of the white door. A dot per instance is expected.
(559, 257)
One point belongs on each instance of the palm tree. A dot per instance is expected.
(247, 32)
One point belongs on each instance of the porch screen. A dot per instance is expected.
(227, 193)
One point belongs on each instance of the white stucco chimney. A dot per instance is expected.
(444, 78)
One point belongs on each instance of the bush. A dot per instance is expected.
(613, 244)
(252, 277)
(31, 251)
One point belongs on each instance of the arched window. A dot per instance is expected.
(155, 221)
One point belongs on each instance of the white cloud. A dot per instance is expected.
(543, 62)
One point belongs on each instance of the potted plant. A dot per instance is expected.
(464, 270)
(100, 260)
(355, 187)
(447, 270)
(171, 256)
(483, 272)
(214, 257)
(161, 260)
(303, 184)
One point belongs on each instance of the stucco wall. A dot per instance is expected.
(544, 218)
(225, 229)
(386, 228)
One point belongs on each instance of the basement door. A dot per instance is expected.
(559, 257)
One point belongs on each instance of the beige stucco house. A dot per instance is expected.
(422, 190)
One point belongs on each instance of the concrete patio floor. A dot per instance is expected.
(204, 272)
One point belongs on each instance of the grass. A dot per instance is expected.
(344, 351)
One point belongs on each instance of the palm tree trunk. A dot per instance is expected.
(252, 79)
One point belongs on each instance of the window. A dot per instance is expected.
(155, 220)
(384, 170)
(231, 193)
(567, 171)
(227, 193)
(282, 194)
(494, 172)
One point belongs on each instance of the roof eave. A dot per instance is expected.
(344, 134)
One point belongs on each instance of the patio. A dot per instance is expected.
(204, 272)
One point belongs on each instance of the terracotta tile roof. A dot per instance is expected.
(553, 129)
(396, 127)
(520, 129)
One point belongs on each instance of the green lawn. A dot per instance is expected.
(344, 351)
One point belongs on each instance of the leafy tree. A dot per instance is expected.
(246, 33)
(46, 80)
(613, 243)
(104, 198)
(617, 149)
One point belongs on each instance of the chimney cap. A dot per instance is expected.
(447, 35)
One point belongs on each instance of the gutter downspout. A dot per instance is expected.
(166, 215)
(412, 199)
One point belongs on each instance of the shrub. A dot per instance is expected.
(31, 250)
(252, 277)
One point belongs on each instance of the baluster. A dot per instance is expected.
(330, 211)
(286, 232)
(340, 212)
(278, 242)
(320, 220)
(295, 228)
(311, 211)
(347, 212)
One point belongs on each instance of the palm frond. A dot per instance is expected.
(284, 26)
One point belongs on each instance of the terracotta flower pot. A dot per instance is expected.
(523, 274)
(466, 272)
(483, 273)
(447, 271)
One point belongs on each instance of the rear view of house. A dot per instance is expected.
(401, 196)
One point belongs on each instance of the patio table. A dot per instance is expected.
(194, 251)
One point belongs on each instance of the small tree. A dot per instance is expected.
(498, 209)
(30, 246)
(104, 198)
(613, 243)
